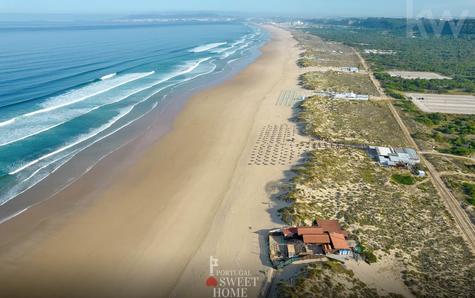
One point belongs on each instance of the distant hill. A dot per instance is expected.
(418, 27)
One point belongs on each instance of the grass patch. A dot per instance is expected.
(459, 177)
(351, 122)
(368, 255)
(338, 82)
(463, 188)
(403, 179)
(320, 53)
(469, 191)
(450, 164)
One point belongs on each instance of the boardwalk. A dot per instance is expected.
(288, 98)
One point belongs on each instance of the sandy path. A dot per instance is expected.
(135, 238)
(447, 155)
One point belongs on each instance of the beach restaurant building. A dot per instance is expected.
(325, 238)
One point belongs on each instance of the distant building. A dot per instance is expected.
(392, 157)
(343, 96)
(350, 69)
(297, 243)
(350, 96)
(379, 52)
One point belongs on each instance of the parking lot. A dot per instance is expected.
(443, 103)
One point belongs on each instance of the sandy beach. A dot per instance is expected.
(151, 229)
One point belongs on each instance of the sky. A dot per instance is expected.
(307, 8)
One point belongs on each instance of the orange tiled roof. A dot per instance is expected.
(331, 226)
(289, 231)
(309, 231)
(338, 241)
(316, 239)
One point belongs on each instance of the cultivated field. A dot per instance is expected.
(412, 75)
(443, 103)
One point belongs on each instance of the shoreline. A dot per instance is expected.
(137, 232)
(131, 141)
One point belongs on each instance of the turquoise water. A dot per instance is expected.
(65, 89)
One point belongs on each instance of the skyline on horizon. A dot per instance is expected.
(303, 8)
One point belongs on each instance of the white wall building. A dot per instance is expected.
(392, 157)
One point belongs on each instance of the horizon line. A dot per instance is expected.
(216, 12)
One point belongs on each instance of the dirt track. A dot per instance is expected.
(460, 217)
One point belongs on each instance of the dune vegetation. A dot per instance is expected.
(353, 122)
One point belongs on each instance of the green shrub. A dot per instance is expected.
(367, 254)
(395, 94)
(403, 179)
(469, 190)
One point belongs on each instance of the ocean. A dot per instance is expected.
(65, 89)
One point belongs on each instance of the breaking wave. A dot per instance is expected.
(106, 77)
(80, 94)
(207, 47)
